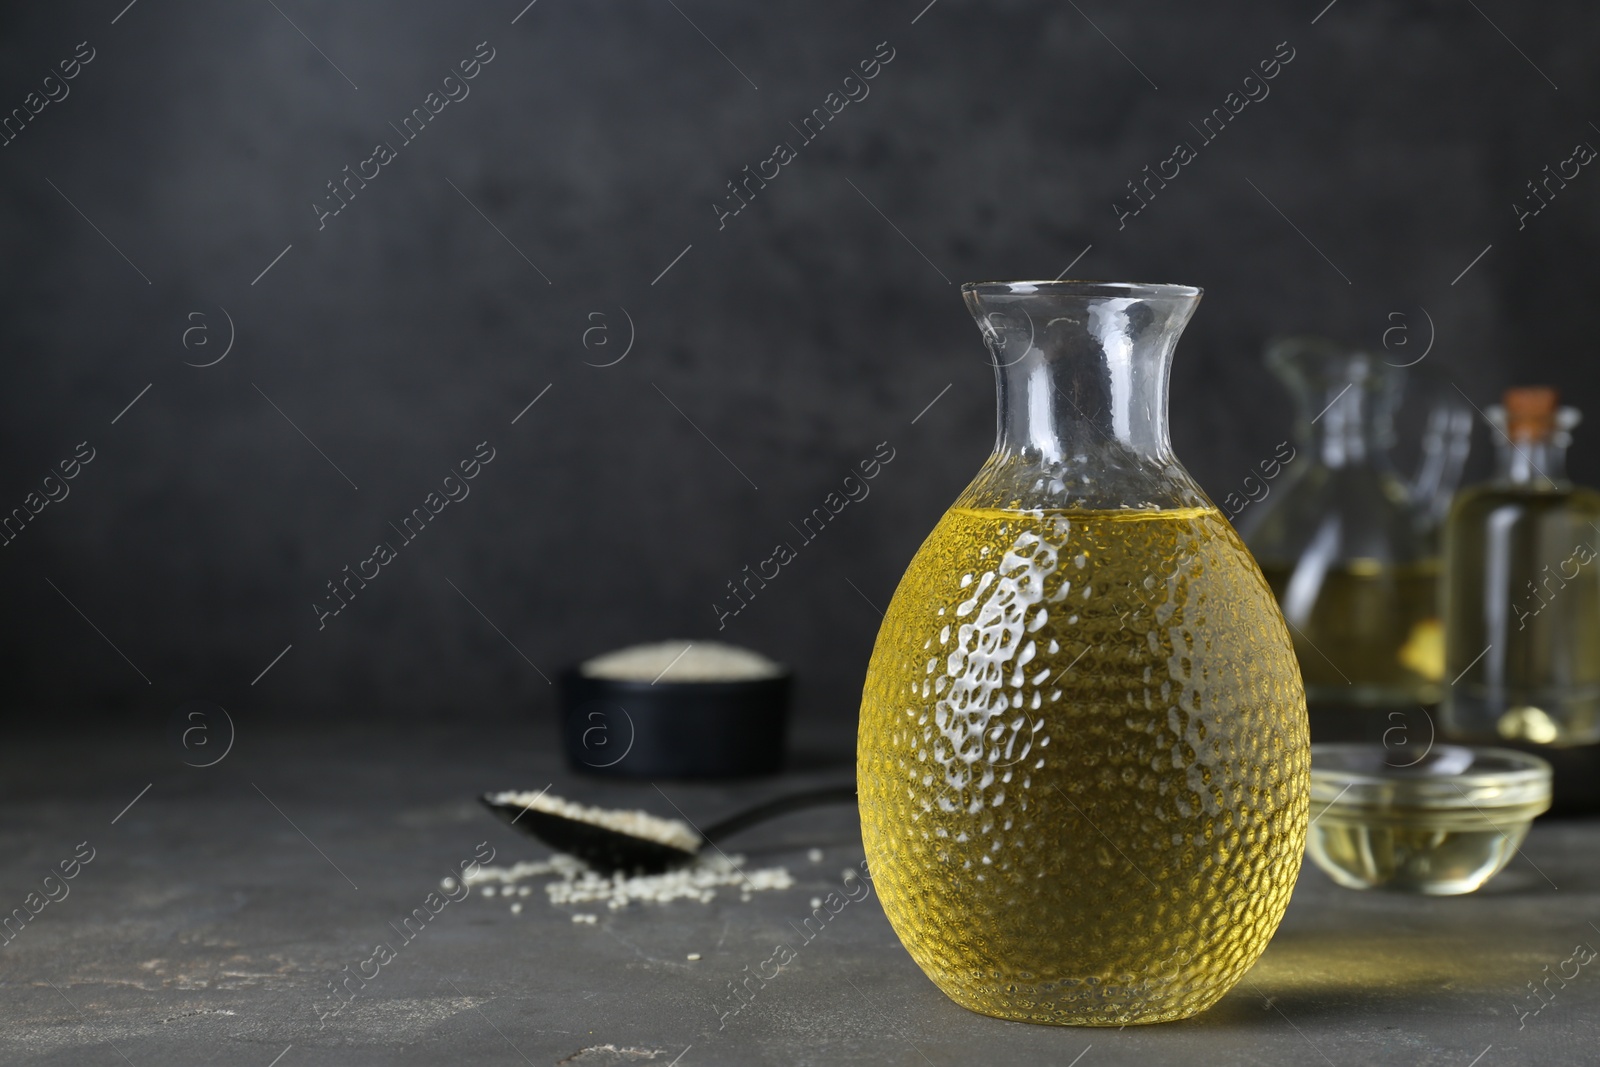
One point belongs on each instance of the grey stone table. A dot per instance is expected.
(217, 909)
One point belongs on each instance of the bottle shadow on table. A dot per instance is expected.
(1356, 976)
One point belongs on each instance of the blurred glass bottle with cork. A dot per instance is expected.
(1522, 589)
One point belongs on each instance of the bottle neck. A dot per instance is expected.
(1076, 404)
(1539, 463)
(1081, 381)
(1346, 433)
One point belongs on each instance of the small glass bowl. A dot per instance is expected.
(1440, 825)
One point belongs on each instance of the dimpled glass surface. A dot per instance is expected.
(1083, 763)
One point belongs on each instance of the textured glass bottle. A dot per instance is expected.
(1083, 757)
(1522, 590)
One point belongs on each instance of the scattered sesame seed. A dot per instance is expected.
(815, 855)
(576, 883)
(516, 909)
(488, 890)
(693, 956)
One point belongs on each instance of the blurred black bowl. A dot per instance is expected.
(702, 729)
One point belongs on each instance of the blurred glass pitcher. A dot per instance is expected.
(1348, 543)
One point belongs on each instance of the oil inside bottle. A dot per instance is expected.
(1365, 631)
(1084, 771)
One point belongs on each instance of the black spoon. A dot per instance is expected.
(608, 848)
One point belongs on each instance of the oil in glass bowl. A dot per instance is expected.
(1441, 825)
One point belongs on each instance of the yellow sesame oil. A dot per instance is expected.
(1083, 763)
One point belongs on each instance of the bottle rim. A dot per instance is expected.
(1074, 287)
(1359, 775)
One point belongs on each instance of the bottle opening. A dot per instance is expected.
(1070, 287)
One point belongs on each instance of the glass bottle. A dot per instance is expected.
(1083, 755)
(1345, 541)
(1522, 592)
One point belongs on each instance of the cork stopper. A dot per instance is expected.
(1530, 412)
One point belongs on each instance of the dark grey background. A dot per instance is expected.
(797, 338)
